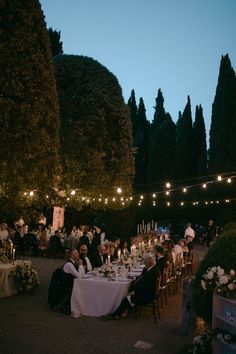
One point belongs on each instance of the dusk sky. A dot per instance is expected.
(174, 45)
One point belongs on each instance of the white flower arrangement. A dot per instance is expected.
(216, 279)
(27, 278)
(202, 342)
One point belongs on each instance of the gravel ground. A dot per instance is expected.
(28, 326)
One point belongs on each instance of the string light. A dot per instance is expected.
(227, 178)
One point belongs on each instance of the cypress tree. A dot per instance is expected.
(55, 41)
(184, 148)
(29, 112)
(199, 144)
(223, 122)
(155, 165)
(142, 144)
(167, 168)
(134, 116)
(159, 113)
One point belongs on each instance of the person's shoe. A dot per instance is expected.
(125, 314)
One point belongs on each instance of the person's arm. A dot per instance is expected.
(70, 269)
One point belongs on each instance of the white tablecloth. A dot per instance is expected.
(97, 298)
(7, 283)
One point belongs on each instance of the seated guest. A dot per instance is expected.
(73, 265)
(124, 249)
(177, 251)
(160, 259)
(62, 281)
(83, 253)
(99, 257)
(55, 248)
(112, 253)
(143, 289)
(167, 245)
(70, 242)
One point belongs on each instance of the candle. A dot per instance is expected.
(142, 248)
(13, 254)
(132, 250)
(119, 255)
(109, 259)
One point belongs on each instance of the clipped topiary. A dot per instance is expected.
(221, 253)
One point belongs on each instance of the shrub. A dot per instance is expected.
(221, 253)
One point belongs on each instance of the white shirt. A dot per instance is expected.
(89, 266)
(189, 232)
(69, 268)
(177, 250)
(3, 235)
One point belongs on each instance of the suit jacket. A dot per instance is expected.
(144, 287)
(97, 261)
(83, 240)
(161, 263)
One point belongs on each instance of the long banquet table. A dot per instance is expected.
(97, 297)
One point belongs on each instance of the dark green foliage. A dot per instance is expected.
(221, 253)
(142, 146)
(162, 145)
(184, 148)
(29, 112)
(96, 133)
(134, 117)
(159, 114)
(55, 40)
(223, 125)
(199, 144)
(167, 136)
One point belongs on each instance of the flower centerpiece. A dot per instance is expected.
(216, 279)
(26, 277)
(105, 269)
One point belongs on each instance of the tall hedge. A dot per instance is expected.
(221, 253)
(96, 135)
(29, 111)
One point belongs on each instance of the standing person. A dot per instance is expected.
(210, 232)
(189, 231)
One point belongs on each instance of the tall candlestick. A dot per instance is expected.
(109, 259)
(13, 254)
(119, 255)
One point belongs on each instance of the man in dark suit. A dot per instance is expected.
(143, 288)
(99, 257)
(160, 259)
